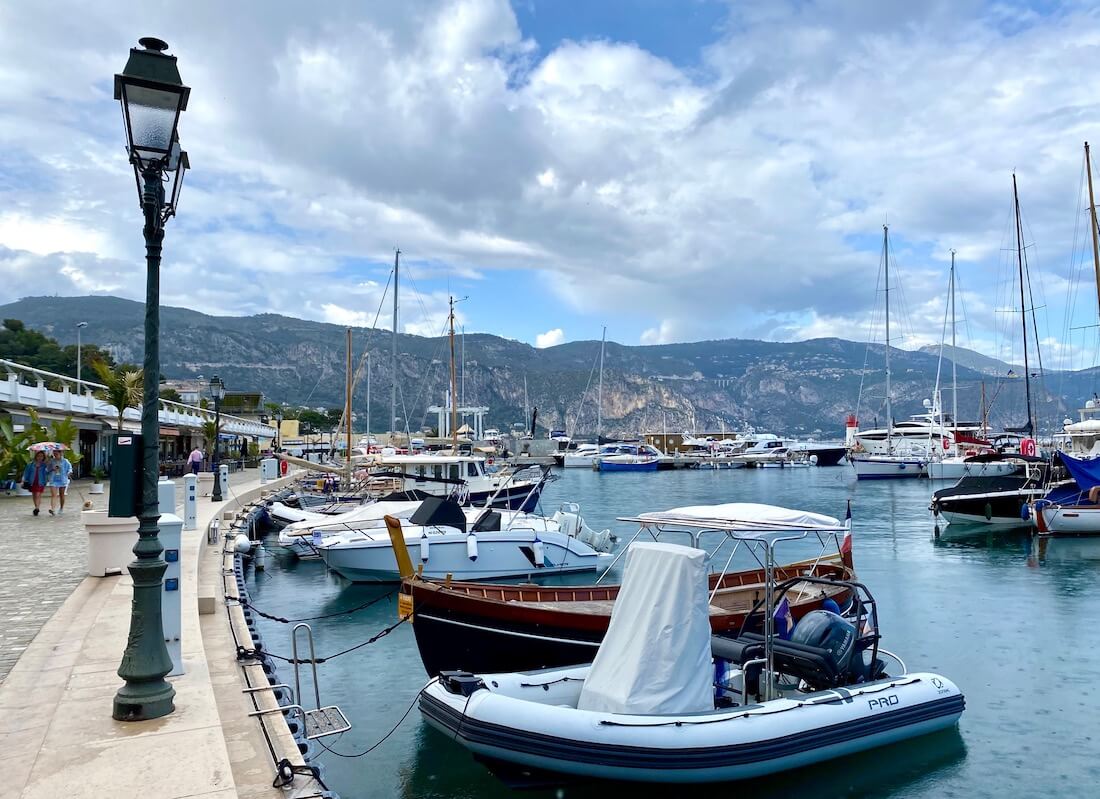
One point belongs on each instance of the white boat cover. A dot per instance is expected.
(655, 657)
(749, 515)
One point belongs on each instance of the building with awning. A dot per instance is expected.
(56, 397)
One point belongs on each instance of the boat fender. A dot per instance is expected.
(424, 546)
(1025, 512)
(813, 460)
(471, 546)
(988, 512)
(539, 552)
(241, 544)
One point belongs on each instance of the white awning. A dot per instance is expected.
(741, 516)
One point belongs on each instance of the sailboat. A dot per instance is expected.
(585, 455)
(1073, 509)
(892, 464)
(955, 462)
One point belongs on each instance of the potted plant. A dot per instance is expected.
(98, 474)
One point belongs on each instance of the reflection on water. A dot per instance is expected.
(1006, 617)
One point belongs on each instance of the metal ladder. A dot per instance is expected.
(320, 721)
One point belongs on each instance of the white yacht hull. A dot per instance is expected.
(573, 461)
(951, 469)
(887, 467)
(1068, 520)
(510, 553)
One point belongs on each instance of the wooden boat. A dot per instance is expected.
(482, 627)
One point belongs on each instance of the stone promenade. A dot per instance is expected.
(42, 559)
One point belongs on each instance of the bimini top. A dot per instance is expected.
(747, 516)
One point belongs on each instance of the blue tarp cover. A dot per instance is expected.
(1086, 473)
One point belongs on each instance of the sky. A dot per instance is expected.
(676, 170)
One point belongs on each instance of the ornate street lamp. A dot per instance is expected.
(152, 96)
(217, 393)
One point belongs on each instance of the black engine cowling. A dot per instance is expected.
(826, 630)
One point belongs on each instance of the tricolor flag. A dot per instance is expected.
(846, 544)
(784, 621)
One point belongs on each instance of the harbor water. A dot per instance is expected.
(1010, 619)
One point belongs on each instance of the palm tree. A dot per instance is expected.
(123, 387)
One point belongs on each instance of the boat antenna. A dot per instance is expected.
(1023, 309)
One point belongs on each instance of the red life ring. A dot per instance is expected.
(946, 444)
(489, 461)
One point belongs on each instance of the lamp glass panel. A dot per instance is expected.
(152, 115)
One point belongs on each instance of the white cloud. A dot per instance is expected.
(702, 200)
(551, 338)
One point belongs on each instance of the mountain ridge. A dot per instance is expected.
(802, 388)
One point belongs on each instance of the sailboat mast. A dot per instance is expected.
(889, 407)
(526, 407)
(1023, 306)
(368, 398)
(347, 408)
(599, 390)
(1092, 219)
(954, 356)
(454, 385)
(393, 362)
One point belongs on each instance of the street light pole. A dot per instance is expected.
(152, 96)
(79, 327)
(217, 391)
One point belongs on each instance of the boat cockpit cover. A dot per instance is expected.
(439, 512)
(750, 515)
(1086, 473)
(655, 658)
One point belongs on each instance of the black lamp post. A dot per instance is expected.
(278, 430)
(217, 392)
(152, 96)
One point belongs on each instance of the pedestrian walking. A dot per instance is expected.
(34, 479)
(59, 470)
(195, 460)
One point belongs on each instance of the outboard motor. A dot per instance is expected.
(828, 631)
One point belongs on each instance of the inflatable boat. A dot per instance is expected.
(531, 720)
(664, 701)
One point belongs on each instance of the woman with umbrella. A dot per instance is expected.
(59, 470)
(35, 477)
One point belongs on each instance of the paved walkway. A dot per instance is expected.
(57, 737)
(42, 559)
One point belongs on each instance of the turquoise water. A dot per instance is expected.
(1013, 623)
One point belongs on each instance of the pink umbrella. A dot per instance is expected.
(46, 446)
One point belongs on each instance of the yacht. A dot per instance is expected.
(444, 475)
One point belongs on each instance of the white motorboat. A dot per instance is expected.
(664, 702)
(582, 457)
(299, 537)
(443, 475)
(469, 544)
